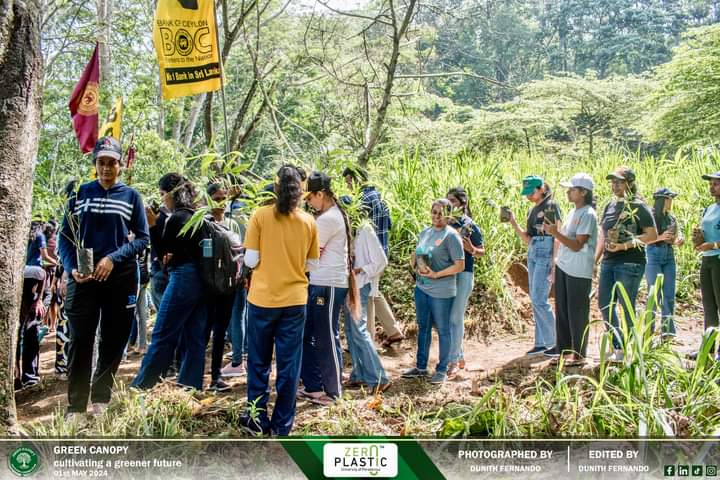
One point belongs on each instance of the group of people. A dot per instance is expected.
(304, 260)
(630, 240)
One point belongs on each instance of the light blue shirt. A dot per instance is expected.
(711, 227)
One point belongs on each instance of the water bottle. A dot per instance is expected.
(207, 247)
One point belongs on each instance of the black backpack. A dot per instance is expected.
(220, 265)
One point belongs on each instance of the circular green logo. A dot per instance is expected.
(23, 461)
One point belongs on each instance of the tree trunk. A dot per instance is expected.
(104, 15)
(373, 135)
(193, 118)
(208, 119)
(161, 113)
(20, 104)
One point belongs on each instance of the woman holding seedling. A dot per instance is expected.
(472, 240)
(575, 265)
(540, 259)
(661, 258)
(437, 260)
(627, 226)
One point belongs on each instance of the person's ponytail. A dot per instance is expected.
(288, 189)
(353, 299)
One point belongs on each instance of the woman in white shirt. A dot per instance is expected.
(370, 262)
(330, 284)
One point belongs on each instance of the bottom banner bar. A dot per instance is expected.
(376, 457)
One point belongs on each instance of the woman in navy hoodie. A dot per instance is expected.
(100, 216)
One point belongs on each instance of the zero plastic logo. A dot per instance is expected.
(360, 460)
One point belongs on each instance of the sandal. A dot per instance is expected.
(318, 398)
(380, 388)
(389, 341)
(352, 384)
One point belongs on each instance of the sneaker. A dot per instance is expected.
(30, 382)
(230, 371)
(452, 370)
(552, 352)
(617, 357)
(536, 351)
(228, 355)
(414, 373)
(461, 364)
(219, 386)
(98, 409)
(438, 378)
(692, 355)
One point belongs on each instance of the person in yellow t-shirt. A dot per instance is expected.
(281, 246)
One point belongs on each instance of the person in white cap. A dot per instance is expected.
(574, 270)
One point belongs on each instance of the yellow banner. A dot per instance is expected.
(112, 126)
(184, 33)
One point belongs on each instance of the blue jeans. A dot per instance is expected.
(366, 365)
(282, 328)
(322, 354)
(661, 260)
(629, 276)
(430, 310)
(182, 316)
(238, 327)
(457, 315)
(158, 284)
(539, 269)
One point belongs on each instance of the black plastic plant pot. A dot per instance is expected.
(85, 261)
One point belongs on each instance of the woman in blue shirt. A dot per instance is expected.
(472, 241)
(707, 241)
(438, 258)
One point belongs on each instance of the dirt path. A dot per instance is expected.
(502, 356)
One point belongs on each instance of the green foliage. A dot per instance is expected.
(687, 102)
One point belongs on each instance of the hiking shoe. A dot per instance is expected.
(231, 370)
(219, 386)
(414, 373)
(617, 357)
(438, 378)
(552, 352)
(99, 408)
(535, 351)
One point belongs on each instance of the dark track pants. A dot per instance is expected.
(112, 303)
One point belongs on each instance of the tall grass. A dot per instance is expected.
(410, 183)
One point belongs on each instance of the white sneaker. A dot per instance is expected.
(229, 371)
(617, 357)
(98, 409)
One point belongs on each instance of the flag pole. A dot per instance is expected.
(222, 79)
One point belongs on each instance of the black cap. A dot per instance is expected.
(107, 147)
(664, 193)
(318, 182)
(212, 188)
(622, 173)
(356, 172)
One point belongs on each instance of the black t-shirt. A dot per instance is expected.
(185, 248)
(621, 224)
(536, 217)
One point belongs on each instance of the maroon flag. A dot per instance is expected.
(84, 104)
